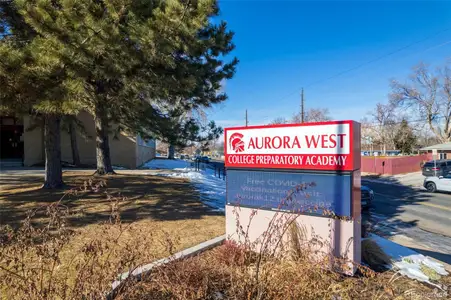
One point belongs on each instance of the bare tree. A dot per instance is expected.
(367, 134)
(384, 126)
(428, 95)
(162, 148)
(425, 137)
(317, 115)
(313, 115)
(219, 147)
(279, 120)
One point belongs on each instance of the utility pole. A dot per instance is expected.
(302, 105)
(246, 119)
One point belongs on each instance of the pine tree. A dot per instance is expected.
(404, 139)
(34, 79)
(134, 54)
(194, 129)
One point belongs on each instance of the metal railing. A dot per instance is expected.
(220, 171)
(198, 165)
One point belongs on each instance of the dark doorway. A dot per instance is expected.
(10, 138)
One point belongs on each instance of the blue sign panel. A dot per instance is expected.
(319, 194)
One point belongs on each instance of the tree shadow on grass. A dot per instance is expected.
(142, 197)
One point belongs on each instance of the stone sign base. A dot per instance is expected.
(328, 236)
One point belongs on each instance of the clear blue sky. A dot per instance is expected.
(284, 45)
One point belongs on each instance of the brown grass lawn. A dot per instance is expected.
(156, 207)
(160, 200)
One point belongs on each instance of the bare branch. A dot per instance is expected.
(428, 96)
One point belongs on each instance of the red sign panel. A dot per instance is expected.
(313, 146)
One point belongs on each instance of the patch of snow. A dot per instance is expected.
(211, 188)
(166, 164)
(408, 262)
(119, 168)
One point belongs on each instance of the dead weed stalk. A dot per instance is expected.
(37, 260)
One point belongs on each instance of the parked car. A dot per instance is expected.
(436, 168)
(367, 196)
(440, 183)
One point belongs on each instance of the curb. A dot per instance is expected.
(177, 256)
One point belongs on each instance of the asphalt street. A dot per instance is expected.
(412, 217)
(428, 211)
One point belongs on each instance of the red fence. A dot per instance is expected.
(393, 165)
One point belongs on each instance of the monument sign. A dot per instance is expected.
(266, 165)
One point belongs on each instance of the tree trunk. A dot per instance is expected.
(104, 165)
(52, 145)
(171, 152)
(74, 144)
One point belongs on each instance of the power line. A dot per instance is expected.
(374, 124)
(437, 46)
(374, 60)
(399, 122)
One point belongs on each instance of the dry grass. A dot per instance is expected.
(158, 215)
(150, 200)
(227, 272)
(76, 247)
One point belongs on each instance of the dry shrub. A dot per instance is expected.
(374, 256)
(298, 248)
(196, 278)
(213, 275)
(207, 276)
(36, 262)
(232, 254)
(288, 265)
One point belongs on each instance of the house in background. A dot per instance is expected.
(439, 151)
(18, 144)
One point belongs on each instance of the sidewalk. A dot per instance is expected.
(410, 179)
